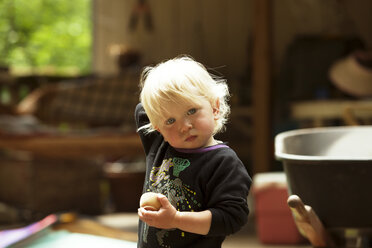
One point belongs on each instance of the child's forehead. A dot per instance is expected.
(180, 100)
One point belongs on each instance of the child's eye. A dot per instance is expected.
(191, 111)
(170, 121)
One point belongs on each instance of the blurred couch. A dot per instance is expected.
(56, 163)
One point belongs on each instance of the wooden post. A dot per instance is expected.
(261, 78)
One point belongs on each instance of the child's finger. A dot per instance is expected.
(140, 214)
(144, 215)
(163, 200)
(148, 214)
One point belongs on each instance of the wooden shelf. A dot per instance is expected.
(319, 111)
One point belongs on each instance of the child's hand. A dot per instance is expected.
(165, 218)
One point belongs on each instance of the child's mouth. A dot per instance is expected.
(191, 138)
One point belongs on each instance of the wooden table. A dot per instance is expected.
(88, 226)
(75, 146)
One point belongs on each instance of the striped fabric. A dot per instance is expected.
(108, 101)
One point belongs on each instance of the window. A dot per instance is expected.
(46, 37)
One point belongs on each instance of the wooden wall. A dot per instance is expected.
(215, 32)
(218, 32)
(319, 17)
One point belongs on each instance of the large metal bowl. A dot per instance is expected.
(331, 170)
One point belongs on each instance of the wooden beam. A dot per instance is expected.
(261, 79)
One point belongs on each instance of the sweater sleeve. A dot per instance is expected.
(140, 116)
(227, 191)
(142, 120)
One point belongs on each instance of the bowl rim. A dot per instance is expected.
(282, 156)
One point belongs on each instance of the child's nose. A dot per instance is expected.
(186, 125)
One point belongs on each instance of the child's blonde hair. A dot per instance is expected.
(181, 80)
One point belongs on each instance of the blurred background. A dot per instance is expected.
(69, 84)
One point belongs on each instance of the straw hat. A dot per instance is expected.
(353, 74)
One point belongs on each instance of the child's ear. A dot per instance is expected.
(157, 129)
(216, 109)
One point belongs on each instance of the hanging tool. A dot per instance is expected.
(141, 9)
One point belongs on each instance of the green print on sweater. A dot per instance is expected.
(180, 195)
(160, 173)
(179, 164)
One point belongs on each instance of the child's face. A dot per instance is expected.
(189, 126)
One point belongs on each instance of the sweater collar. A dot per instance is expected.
(200, 150)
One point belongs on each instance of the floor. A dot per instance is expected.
(246, 237)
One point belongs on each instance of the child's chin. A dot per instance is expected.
(191, 147)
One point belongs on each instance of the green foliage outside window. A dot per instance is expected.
(46, 36)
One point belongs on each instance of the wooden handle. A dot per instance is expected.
(298, 208)
(308, 223)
